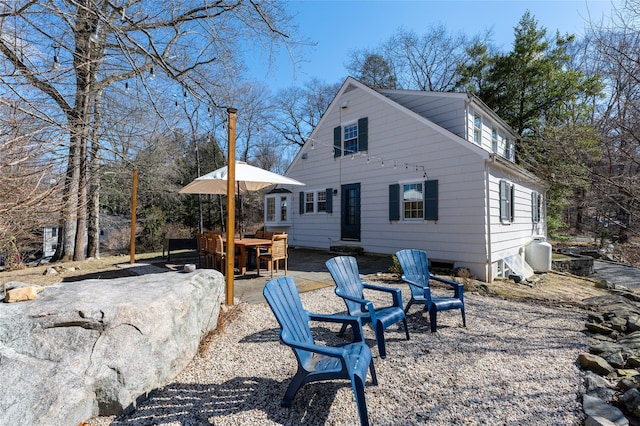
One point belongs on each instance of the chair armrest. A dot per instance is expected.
(363, 302)
(395, 293)
(334, 351)
(355, 322)
(458, 287)
(414, 283)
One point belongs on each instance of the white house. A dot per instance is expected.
(392, 169)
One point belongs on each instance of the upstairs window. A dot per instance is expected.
(494, 139)
(509, 150)
(477, 129)
(351, 138)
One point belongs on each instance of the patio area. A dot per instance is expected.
(306, 267)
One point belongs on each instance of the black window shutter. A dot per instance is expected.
(431, 199)
(363, 134)
(301, 203)
(394, 201)
(329, 200)
(337, 141)
(512, 201)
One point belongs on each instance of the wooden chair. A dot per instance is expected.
(349, 286)
(277, 252)
(201, 244)
(415, 272)
(317, 362)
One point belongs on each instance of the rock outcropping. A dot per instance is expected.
(95, 347)
(612, 380)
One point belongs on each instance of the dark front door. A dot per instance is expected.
(350, 222)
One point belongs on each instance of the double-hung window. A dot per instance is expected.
(351, 138)
(494, 139)
(316, 201)
(509, 151)
(309, 202)
(412, 201)
(477, 128)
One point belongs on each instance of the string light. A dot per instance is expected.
(152, 74)
(348, 153)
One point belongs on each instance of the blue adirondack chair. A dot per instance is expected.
(319, 362)
(415, 268)
(349, 286)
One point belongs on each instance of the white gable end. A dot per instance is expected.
(382, 176)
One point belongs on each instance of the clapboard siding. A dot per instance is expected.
(409, 140)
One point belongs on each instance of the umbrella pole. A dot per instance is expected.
(231, 168)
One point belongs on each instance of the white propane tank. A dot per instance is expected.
(538, 255)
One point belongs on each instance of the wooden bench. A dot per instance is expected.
(173, 244)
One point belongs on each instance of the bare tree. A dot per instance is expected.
(408, 60)
(616, 179)
(29, 176)
(297, 110)
(61, 57)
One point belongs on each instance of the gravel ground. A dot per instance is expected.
(514, 364)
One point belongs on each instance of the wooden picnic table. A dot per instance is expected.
(243, 244)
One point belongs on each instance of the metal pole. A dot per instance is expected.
(134, 196)
(231, 206)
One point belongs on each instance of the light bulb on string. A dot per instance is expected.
(152, 73)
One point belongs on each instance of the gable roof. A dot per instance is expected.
(400, 96)
(352, 84)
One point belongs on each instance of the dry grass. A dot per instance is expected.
(104, 267)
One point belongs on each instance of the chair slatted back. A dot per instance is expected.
(201, 243)
(219, 245)
(415, 267)
(279, 246)
(284, 300)
(345, 273)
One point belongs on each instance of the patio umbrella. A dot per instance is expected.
(248, 179)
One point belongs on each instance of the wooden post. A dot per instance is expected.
(134, 196)
(231, 206)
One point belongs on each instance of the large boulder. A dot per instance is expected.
(96, 347)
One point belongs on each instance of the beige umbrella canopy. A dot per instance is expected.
(248, 179)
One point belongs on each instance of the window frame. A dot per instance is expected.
(314, 198)
(495, 138)
(477, 129)
(278, 199)
(355, 133)
(404, 202)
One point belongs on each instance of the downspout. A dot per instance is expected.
(489, 270)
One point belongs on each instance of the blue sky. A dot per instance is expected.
(339, 27)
